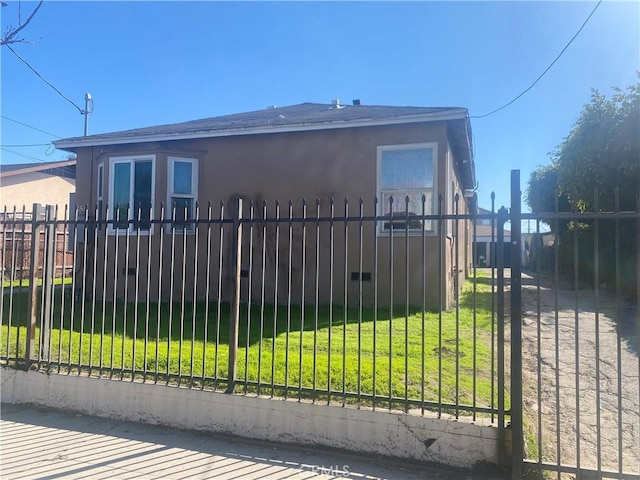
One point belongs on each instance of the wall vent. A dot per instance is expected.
(355, 276)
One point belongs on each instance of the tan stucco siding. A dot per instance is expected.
(323, 164)
(458, 235)
(318, 164)
(29, 188)
(85, 177)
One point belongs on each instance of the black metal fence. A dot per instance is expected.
(335, 303)
(280, 300)
(581, 367)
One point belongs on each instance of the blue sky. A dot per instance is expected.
(150, 63)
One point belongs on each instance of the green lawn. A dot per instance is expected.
(7, 284)
(317, 351)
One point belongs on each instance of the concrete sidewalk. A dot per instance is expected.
(37, 443)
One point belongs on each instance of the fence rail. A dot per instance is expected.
(271, 300)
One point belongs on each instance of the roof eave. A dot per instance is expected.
(72, 144)
(461, 133)
(38, 168)
(472, 167)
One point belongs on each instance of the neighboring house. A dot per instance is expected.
(22, 185)
(484, 243)
(289, 153)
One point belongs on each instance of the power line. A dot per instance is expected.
(29, 126)
(27, 145)
(28, 157)
(547, 69)
(44, 79)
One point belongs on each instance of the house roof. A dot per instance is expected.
(65, 168)
(301, 117)
(305, 116)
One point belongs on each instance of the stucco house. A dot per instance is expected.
(22, 185)
(48, 183)
(486, 237)
(306, 151)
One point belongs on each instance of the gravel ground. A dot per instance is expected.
(608, 333)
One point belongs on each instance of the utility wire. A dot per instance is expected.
(547, 69)
(28, 157)
(44, 79)
(28, 145)
(29, 126)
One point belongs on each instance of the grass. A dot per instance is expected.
(7, 284)
(324, 353)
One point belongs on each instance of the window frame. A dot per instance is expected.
(429, 209)
(185, 226)
(131, 160)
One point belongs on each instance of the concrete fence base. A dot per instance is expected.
(459, 443)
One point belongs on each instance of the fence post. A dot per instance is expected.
(234, 318)
(499, 258)
(33, 284)
(48, 273)
(517, 439)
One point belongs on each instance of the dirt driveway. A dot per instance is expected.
(607, 330)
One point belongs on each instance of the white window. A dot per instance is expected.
(182, 191)
(407, 171)
(131, 193)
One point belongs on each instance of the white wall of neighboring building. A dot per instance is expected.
(35, 187)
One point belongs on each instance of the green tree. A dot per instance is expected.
(543, 192)
(599, 157)
(601, 152)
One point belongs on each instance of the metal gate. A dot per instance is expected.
(574, 297)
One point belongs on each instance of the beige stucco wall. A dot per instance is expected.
(29, 188)
(324, 164)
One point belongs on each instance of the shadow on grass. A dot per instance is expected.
(201, 321)
(188, 320)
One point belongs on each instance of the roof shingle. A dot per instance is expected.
(308, 115)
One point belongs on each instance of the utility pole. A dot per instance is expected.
(86, 112)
